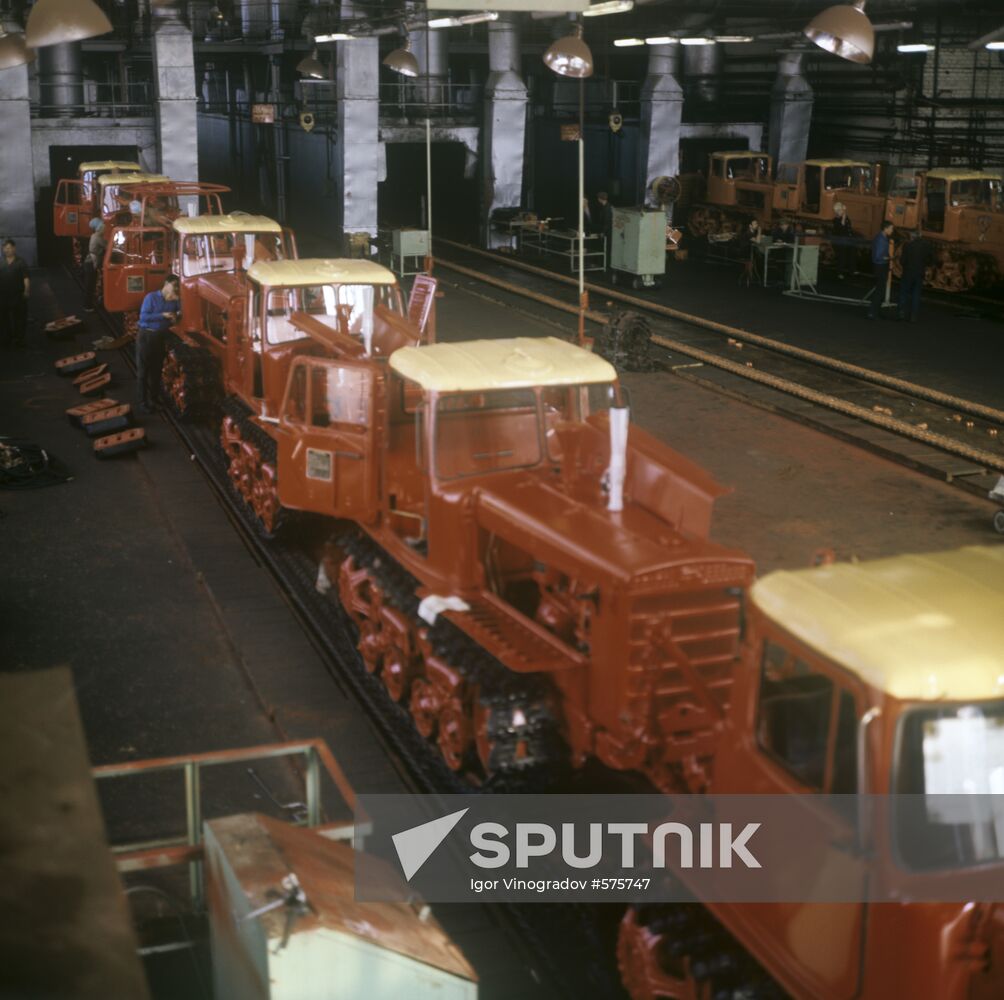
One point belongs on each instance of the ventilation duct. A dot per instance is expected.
(702, 70)
(429, 46)
(61, 79)
(790, 111)
(505, 123)
(358, 71)
(661, 117)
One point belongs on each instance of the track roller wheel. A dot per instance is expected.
(396, 672)
(999, 522)
(425, 707)
(454, 734)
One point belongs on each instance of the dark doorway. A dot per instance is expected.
(401, 197)
(63, 163)
(694, 153)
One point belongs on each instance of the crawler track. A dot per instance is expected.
(956, 440)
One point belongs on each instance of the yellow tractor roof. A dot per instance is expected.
(837, 163)
(120, 165)
(512, 363)
(238, 222)
(923, 627)
(320, 271)
(738, 153)
(964, 175)
(133, 178)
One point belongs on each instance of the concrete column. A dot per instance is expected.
(174, 69)
(61, 80)
(661, 117)
(17, 189)
(504, 138)
(790, 111)
(358, 75)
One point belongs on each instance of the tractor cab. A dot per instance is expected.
(116, 193)
(741, 180)
(76, 202)
(224, 245)
(310, 306)
(812, 189)
(138, 252)
(880, 678)
(963, 205)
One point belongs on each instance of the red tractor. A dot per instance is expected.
(77, 201)
(856, 678)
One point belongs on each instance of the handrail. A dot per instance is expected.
(187, 849)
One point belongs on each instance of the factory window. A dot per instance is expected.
(796, 717)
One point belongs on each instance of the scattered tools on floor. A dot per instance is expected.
(25, 465)
(77, 413)
(121, 443)
(102, 422)
(63, 329)
(86, 376)
(75, 363)
(95, 384)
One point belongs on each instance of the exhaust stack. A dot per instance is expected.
(617, 471)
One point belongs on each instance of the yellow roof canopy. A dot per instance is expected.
(923, 627)
(837, 163)
(120, 165)
(239, 222)
(965, 175)
(738, 153)
(513, 363)
(133, 178)
(318, 271)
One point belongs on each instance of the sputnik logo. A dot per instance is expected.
(416, 845)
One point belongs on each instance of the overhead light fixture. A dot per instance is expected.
(402, 60)
(699, 40)
(456, 22)
(570, 56)
(733, 39)
(914, 47)
(845, 31)
(609, 7)
(312, 66)
(52, 22)
(995, 46)
(334, 36)
(624, 43)
(13, 51)
(661, 40)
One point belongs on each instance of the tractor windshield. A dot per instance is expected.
(747, 168)
(950, 763)
(207, 252)
(849, 177)
(503, 429)
(348, 308)
(984, 192)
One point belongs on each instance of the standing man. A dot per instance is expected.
(92, 262)
(880, 268)
(159, 312)
(15, 287)
(602, 215)
(843, 230)
(915, 260)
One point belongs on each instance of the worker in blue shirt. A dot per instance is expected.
(158, 313)
(880, 268)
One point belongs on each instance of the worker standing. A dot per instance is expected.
(915, 260)
(844, 231)
(92, 262)
(881, 247)
(158, 313)
(15, 287)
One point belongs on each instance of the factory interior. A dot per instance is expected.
(566, 397)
